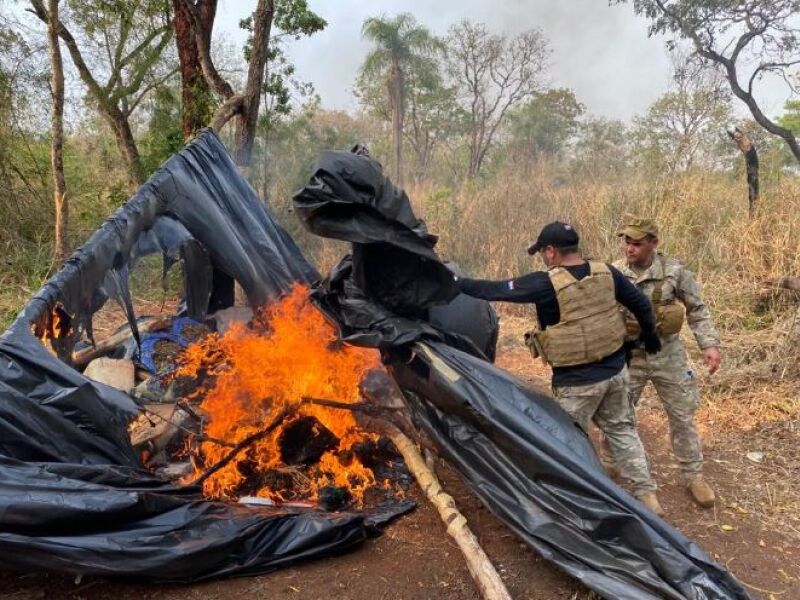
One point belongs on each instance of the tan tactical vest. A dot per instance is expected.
(591, 325)
(670, 315)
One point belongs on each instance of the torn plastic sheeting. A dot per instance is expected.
(201, 189)
(397, 288)
(363, 322)
(73, 495)
(349, 198)
(126, 526)
(536, 470)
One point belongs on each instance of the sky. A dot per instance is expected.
(601, 52)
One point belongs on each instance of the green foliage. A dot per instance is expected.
(684, 129)
(545, 124)
(293, 19)
(123, 43)
(432, 114)
(602, 147)
(400, 39)
(791, 118)
(164, 134)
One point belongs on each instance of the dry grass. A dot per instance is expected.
(703, 219)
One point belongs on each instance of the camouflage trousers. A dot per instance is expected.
(677, 389)
(606, 403)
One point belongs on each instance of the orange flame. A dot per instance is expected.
(290, 352)
(56, 325)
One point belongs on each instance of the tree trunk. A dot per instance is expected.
(474, 148)
(265, 163)
(195, 92)
(62, 248)
(396, 92)
(247, 119)
(751, 164)
(126, 144)
(107, 106)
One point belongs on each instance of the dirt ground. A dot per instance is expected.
(750, 532)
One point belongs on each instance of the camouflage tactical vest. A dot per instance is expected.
(669, 314)
(591, 325)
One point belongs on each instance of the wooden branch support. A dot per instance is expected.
(86, 355)
(367, 408)
(480, 567)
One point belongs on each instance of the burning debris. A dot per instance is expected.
(270, 408)
(287, 354)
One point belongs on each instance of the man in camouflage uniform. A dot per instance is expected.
(666, 282)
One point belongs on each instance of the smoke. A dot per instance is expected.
(600, 51)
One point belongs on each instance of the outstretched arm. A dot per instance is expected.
(528, 288)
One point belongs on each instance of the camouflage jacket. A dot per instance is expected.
(680, 284)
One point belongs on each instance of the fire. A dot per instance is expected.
(289, 353)
(55, 326)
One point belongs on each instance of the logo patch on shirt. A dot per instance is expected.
(511, 285)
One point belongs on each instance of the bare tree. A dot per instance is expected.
(57, 135)
(492, 73)
(130, 38)
(746, 39)
(684, 126)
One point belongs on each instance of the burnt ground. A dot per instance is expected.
(750, 532)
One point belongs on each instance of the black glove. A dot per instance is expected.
(651, 342)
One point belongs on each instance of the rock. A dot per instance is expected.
(151, 390)
(223, 319)
(117, 373)
(756, 457)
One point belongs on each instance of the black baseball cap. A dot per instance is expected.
(556, 234)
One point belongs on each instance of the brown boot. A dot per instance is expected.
(701, 492)
(650, 500)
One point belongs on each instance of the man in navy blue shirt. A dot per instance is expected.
(581, 334)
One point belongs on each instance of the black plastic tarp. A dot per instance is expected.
(537, 471)
(73, 495)
(520, 453)
(393, 289)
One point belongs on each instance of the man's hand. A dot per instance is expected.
(712, 358)
(651, 342)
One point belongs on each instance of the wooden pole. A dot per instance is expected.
(381, 414)
(480, 567)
